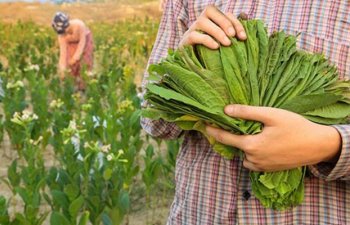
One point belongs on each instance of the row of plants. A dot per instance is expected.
(79, 156)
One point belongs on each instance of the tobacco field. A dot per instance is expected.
(71, 157)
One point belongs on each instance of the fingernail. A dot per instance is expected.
(215, 44)
(229, 109)
(231, 31)
(227, 40)
(242, 34)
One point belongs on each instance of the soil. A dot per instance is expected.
(142, 213)
(42, 13)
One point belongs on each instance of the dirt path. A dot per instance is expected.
(92, 12)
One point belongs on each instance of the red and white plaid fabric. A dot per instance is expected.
(213, 190)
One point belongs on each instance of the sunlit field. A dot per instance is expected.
(70, 157)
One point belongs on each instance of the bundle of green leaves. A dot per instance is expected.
(193, 84)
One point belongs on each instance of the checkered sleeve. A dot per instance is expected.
(341, 169)
(171, 29)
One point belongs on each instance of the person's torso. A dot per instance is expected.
(76, 30)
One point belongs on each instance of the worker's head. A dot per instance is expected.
(60, 22)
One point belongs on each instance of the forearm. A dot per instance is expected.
(170, 30)
(340, 169)
(160, 128)
(62, 64)
(80, 48)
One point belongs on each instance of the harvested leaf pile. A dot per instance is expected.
(193, 84)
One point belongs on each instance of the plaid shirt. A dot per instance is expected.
(213, 190)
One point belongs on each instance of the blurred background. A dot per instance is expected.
(70, 157)
(42, 11)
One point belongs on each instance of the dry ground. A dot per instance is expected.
(106, 12)
(92, 12)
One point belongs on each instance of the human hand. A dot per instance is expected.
(287, 140)
(72, 61)
(217, 27)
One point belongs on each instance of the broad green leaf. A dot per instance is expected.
(24, 194)
(275, 44)
(157, 114)
(233, 75)
(215, 78)
(106, 220)
(58, 218)
(193, 84)
(211, 60)
(326, 121)
(334, 111)
(187, 118)
(124, 201)
(76, 206)
(60, 198)
(252, 46)
(302, 104)
(169, 94)
(84, 218)
(226, 151)
(107, 174)
(263, 56)
(72, 191)
(185, 125)
(198, 110)
(12, 174)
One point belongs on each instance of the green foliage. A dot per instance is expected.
(93, 139)
(4, 216)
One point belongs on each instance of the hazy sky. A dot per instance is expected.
(25, 1)
(42, 1)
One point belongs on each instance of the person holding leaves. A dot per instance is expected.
(213, 190)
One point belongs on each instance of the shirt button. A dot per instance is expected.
(243, 16)
(246, 195)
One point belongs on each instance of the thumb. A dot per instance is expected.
(265, 115)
